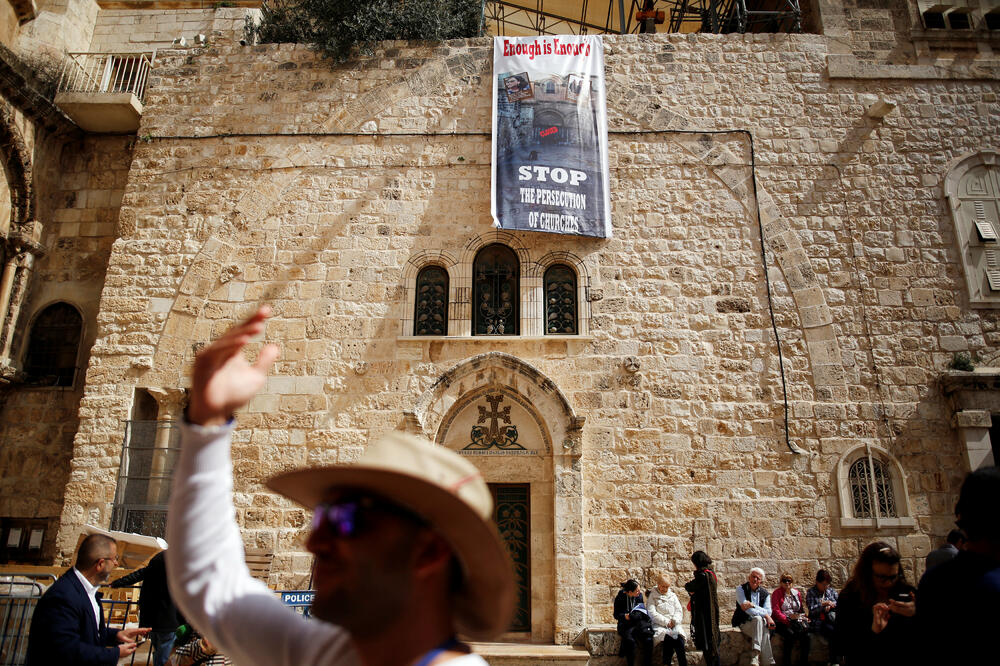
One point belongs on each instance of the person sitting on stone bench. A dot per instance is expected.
(822, 602)
(630, 627)
(791, 617)
(668, 618)
(753, 616)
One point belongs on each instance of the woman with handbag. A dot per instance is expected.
(791, 618)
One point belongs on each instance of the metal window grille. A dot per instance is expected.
(871, 489)
(431, 315)
(149, 456)
(560, 301)
(106, 73)
(495, 274)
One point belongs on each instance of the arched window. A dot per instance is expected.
(495, 275)
(871, 487)
(550, 87)
(430, 316)
(53, 346)
(872, 490)
(560, 300)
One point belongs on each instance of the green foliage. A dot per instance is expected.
(962, 361)
(337, 26)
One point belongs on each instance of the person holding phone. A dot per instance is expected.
(876, 621)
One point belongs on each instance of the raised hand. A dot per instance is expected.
(223, 380)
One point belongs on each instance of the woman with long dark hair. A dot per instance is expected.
(703, 589)
(876, 609)
(634, 632)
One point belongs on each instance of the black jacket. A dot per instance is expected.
(63, 631)
(156, 608)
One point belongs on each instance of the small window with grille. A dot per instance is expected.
(53, 346)
(560, 301)
(430, 315)
(872, 490)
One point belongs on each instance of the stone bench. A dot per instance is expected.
(602, 642)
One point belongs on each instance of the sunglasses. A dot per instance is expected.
(786, 580)
(357, 516)
(884, 577)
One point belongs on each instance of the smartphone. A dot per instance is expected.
(903, 597)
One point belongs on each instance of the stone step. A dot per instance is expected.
(527, 654)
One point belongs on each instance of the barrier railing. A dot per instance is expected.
(121, 607)
(19, 594)
(106, 73)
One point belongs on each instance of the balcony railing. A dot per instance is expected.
(103, 92)
(106, 73)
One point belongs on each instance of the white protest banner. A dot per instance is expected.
(550, 135)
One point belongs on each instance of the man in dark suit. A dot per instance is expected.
(68, 627)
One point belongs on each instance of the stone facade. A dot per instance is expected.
(130, 29)
(778, 308)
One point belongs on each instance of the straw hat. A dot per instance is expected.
(448, 492)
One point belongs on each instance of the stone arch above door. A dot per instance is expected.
(550, 433)
(501, 369)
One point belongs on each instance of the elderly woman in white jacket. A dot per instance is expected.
(668, 617)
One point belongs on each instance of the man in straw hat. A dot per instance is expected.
(405, 553)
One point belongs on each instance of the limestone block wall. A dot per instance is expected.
(128, 30)
(59, 26)
(78, 190)
(267, 176)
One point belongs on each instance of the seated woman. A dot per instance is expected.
(821, 599)
(876, 612)
(668, 616)
(790, 615)
(630, 628)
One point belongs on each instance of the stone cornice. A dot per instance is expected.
(983, 379)
(20, 87)
(849, 67)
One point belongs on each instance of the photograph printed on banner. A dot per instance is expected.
(516, 86)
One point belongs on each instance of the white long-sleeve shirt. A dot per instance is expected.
(208, 577)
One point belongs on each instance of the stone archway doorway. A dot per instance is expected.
(519, 430)
(506, 439)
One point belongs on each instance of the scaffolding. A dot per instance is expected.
(580, 17)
